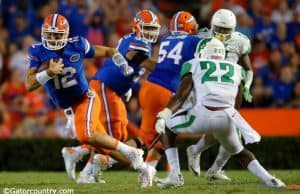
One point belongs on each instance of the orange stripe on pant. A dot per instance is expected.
(153, 98)
(86, 113)
(113, 113)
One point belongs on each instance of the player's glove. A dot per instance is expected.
(126, 70)
(121, 62)
(161, 119)
(128, 95)
(247, 95)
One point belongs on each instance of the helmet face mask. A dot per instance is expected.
(55, 32)
(222, 33)
(223, 24)
(54, 40)
(149, 32)
(146, 26)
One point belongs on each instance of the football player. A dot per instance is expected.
(238, 47)
(215, 83)
(64, 80)
(163, 82)
(110, 84)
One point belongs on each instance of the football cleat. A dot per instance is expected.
(193, 161)
(70, 159)
(171, 180)
(216, 175)
(146, 176)
(136, 157)
(88, 178)
(275, 183)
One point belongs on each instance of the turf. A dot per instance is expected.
(125, 182)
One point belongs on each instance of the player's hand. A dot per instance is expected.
(126, 70)
(161, 118)
(128, 95)
(247, 95)
(160, 126)
(55, 67)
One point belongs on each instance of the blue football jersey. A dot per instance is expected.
(67, 88)
(111, 75)
(174, 50)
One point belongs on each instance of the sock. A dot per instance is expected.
(123, 148)
(82, 150)
(88, 167)
(173, 160)
(152, 161)
(255, 167)
(201, 146)
(222, 158)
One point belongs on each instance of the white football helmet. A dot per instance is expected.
(210, 48)
(223, 23)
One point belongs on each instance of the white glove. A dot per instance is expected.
(162, 117)
(127, 70)
(128, 95)
(122, 63)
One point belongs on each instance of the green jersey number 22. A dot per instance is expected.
(211, 67)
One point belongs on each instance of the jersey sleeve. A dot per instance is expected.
(33, 57)
(83, 46)
(245, 45)
(136, 45)
(187, 67)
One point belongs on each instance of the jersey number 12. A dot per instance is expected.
(66, 80)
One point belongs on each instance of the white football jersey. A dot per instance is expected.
(215, 82)
(237, 46)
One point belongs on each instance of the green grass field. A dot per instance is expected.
(125, 182)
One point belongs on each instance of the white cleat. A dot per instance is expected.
(99, 164)
(146, 176)
(216, 175)
(136, 157)
(70, 160)
(193, 160)
(171, 181)
(275, 183)
(86, 178)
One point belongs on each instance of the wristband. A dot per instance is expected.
(42, 77)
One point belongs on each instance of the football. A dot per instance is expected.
(45, 65)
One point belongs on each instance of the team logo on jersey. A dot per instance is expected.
(75, 57)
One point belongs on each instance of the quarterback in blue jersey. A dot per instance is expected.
(156, 92)
(56, 64)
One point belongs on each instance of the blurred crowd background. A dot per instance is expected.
(273, 26)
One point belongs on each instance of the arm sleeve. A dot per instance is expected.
(87, 48)
(34, 60)
(246, 46)
(139, 46)
(187, 68)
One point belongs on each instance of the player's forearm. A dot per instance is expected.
(182, 93)
(34, 80)
(31, 83)
(249, 72)
(102, 51)
(149, 64)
